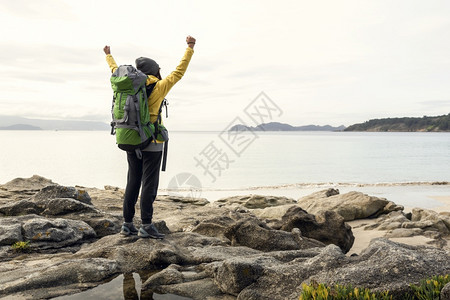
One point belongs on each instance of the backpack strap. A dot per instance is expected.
(113, 123)
(163, 103)
(138, 153)
(138, 112)
(149, 89)
(164, 161)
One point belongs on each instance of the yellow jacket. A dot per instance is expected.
(162, 86)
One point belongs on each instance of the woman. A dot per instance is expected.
(146, 170)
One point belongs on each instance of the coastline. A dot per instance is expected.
(261, 232)
(427, 196)
(414, 194)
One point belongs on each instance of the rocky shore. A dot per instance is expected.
(57, 240)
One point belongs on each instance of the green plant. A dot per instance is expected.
(22, 246)
(316, 291)
(430, 289)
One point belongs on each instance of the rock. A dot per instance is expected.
(327, 227)
(235, 274)
(445, 292)
(254, 201)
(183, 217)
(351, 206)
(63, 206)
(215, 226)
(215, 253)
(391, 207)
(257, 235)
(170, 275)
(393, 267)
(404, 232)
(48, 207)
(17, 208)
(133, 253)
(73, 272)
(211, 250)
(288, 271)
(10, 234)
(44, 233)
(104, 225)
(44, 204)
(204, 289)
(273, 213)
(384, 265)
(389, 226)
(56, 230)
(22, 188)
(428, 219)
(192, 239)
(58, 191)
(322, 194)
(109, 199)
(32, 184)
(184, 200)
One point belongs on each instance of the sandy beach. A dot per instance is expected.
(445, 201)
(363, 237)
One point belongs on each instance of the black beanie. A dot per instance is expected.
(147, 65)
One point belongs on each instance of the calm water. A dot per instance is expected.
(285, 160)
(272, 159)
(123, 287)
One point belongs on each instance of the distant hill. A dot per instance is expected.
(438, 123)
(275, 126)
(20, 123)
(20, 127)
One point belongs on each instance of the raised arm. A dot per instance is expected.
(167, 83)
(109, 59)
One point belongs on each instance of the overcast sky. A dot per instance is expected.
(321, 62)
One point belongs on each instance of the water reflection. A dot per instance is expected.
(123, 287)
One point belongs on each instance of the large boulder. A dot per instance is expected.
(327, 227)
(351, 206)
(43, 233)
(255, 234)
(58, 191)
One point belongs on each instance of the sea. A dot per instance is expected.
(409, 168)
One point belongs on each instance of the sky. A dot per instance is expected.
(320, 62)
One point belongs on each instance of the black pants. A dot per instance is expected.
(145, 170)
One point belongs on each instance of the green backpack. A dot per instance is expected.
(130, 114)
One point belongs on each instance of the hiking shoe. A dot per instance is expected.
(150, 231)
(128, 229)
